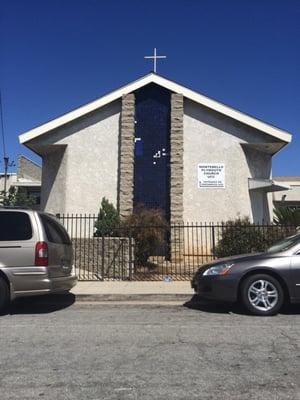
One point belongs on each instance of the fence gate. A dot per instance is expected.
(100, 258)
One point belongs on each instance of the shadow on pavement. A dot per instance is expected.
(41, 304)
(196, 303)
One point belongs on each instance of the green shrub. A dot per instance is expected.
(17, 198)
(108, 219)
(240, 236)
(287, 216)
(148, 227)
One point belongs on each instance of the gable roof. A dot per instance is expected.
(277, 133)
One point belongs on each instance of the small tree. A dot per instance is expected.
(17, 198)
(108, 219)
(148, 227)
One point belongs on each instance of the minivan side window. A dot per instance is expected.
(54, 231)
(14, 226)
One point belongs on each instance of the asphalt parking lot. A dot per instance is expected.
(89, 351)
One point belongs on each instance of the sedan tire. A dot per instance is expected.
(262, 294)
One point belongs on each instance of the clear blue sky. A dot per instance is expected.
(59, 54)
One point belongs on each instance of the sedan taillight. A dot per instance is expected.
(41, 254)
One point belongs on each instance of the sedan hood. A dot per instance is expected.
(235, 259)
(240, 257)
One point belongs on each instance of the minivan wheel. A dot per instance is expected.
(4, 294)
(262, 294)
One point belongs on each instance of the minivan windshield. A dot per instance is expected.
(284, 244)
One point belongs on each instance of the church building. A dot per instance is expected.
(158, 143)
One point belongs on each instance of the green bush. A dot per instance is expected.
(17, 198)
(240, 236)
(148, 227)
(108, 219)
(287, 216)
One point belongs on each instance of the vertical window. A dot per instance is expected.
(152, 149)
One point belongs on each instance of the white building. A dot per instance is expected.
(290, 197)
(27, 179)
(156, 142)
(11, 179)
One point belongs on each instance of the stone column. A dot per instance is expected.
(176, 177)
(176, 159)
(126, 169)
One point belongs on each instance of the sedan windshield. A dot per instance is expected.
(284, 244)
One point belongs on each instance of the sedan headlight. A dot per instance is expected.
(220, 269)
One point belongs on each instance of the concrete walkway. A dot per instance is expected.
(134, 290)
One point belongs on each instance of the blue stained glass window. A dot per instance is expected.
(152, 148)
(139, 148)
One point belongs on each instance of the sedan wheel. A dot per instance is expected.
(262, 295)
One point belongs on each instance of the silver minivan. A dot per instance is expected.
(35, 255)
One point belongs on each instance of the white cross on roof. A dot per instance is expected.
(155, 57)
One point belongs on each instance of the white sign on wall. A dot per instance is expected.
(211, 175)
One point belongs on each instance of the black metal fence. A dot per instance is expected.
(156, 252)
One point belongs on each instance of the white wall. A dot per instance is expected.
(84, 166)
(291, 196)
(212, 138)
(54, 181)
(10, 180)
(76, 178)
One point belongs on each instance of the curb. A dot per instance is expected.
(58, 300)
(133, 297)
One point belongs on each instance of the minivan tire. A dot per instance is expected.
(4, 295)
(262, 295)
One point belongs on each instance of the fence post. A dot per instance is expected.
(130, 258)
(213, 240)
(102, 258)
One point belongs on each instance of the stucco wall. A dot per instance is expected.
(54, 179)
(75, 179)
(81, 164)
(28, 169)
(288, 197)
(212, 138)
